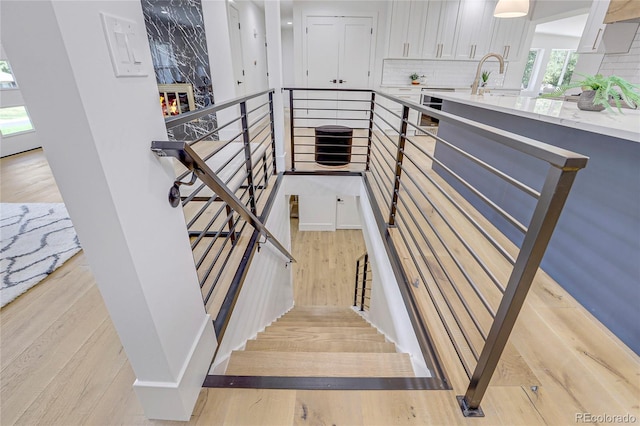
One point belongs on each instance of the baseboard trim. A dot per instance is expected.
(176, 400)
(325, 383)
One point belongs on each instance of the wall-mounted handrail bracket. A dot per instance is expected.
(174, 191)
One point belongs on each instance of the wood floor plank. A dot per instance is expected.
(81, 383)
(249, 407)
(40, 363)
(328, 408)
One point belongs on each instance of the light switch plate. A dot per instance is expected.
(124, 41)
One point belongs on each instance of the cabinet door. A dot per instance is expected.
(440, 28)
(407, 21)
(594, 28)
(475, 28)
(508, 37)
(400, 13)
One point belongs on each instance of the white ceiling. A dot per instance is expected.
(571, 27)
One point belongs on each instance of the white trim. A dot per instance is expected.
(176, 400)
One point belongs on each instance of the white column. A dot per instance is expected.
(216, 25)
(274, 61)
(96, 130)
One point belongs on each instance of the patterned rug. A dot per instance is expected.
(35, 239)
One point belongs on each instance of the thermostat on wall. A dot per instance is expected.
(123, 39)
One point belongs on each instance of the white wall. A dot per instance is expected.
(252, 33)
(18, 142)
(115, 189)
(625, 65)
(288, 75)
(267, 292)
(376, 9)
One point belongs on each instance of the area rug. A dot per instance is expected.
(35, 240)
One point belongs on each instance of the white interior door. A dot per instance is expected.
(323, 44)
(236, 50)
(347, 213)
(354, 70)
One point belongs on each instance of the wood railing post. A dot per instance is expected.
(402, 137)
(545, 216)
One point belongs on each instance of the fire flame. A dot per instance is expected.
(173, 108)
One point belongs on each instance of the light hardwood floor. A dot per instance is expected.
(63, 364)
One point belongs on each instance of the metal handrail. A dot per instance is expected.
(188, 157)
(405, 194)
(361, 280)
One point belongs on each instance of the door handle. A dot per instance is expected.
(333, 81)
(239, 82)
(342, 81)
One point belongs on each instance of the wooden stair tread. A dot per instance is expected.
(300, 335)
(329, 346)
(319, 364)
(314, 328)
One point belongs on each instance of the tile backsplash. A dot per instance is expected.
(456, 74)
(625, 65)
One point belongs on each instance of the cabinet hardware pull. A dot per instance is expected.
(471, 52)
(596, 40)
(475, 46)
(405, 50)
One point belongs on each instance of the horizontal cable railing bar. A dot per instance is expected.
(258, 120)
(215, 130)
(329, 109)
(391, 126)
(331, 99)
(329, 137)
(552, 154)
(444, 270)
(258, 107)
(514, 182)
(186, 117)
(339, 163)
(464, 242)
(211, 154)
(513, 221)
(335, 118)
(453, 257)
(321, 89)
(454, 342)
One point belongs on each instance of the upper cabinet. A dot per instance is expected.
(508, 37)
(622, 10)
(453, 29)
(599, 37)
(475, 29)
(407, 21)
(440, 29)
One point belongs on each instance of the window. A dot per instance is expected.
(6, 76)
(14, 120)
(559, 69)
(531, 69)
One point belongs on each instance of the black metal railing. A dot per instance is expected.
(363, 283)
(475, 278)
(224, 181)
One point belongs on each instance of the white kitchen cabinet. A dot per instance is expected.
(411, 94)
(407, 22)
(475, 19)
(594, 28)
(508, 37)
(440, 29)
(599, 37)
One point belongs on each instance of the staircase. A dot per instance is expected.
(320, 341)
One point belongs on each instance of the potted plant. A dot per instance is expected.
(415, 78)
(485, 78)
(599, 91)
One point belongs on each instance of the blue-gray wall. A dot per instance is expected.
(595, 250)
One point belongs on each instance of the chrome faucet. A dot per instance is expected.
(474, 86)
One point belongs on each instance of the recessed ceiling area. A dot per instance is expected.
(569, 27)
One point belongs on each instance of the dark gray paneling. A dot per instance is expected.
(595, 250)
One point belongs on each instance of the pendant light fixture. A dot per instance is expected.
(511, 8)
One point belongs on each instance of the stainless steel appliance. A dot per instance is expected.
(433, 102)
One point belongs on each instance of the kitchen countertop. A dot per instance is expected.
(624, 125)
